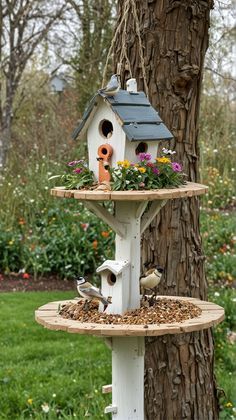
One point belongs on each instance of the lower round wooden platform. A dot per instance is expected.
(212, 314)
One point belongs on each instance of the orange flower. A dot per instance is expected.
(95, 244)
(105, 234)
(21, 221)
(26, 276)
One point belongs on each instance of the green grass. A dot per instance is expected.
(65, 371)
(225, 351)
(38, 366)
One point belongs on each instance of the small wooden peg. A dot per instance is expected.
(106, 389)
(110, 409)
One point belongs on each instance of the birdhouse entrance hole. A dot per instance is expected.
(141, 148)
(106, 128)
(111, 279)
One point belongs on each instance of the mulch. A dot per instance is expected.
(15, 282)
(161, 312)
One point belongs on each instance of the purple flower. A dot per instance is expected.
(77, 170)
(144, 156)
(155, 171)
(74, 162)
(176, 167)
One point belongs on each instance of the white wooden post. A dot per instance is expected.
(128, 378)
(128, 214)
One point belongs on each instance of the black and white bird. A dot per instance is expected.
(151, 279)
(90, 292)
(112, 87)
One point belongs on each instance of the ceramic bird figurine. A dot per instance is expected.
(112, 87)
(90, 292)
(151, 279)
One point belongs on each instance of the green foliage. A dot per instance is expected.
(95, 34)
(221, 192)
(219, 243)
(225, 350)
(44, 235)
(80, 177)
(41, 369)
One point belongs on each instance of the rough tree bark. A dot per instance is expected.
(179, 378)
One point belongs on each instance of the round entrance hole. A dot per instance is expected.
(111, 279)
(106, 128)
(141, 148)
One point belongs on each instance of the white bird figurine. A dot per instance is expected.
(151, 279)
(90, 292)
(112, 87)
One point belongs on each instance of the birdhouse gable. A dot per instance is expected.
(116, 267)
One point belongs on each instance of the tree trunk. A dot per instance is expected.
(179, 378)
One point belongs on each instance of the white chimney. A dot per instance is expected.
(131, 85)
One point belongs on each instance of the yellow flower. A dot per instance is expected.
(142, 170)
(126, 163)
(229, 405)
(10, 242)
(30, 401)
(163, 160)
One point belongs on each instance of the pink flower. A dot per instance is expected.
(142, 185)
(77, 170)
(144, 156)
(74, 162)
(155, 171)
(84, 226)
(176, 167)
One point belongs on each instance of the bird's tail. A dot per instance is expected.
(106, 302)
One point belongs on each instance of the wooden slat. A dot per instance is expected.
(188, 190)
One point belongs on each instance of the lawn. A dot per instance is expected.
(49, 375)
(41, 369)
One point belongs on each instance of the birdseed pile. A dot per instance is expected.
(163, 311)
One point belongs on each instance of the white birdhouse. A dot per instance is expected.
(115, 276)
(120, 127)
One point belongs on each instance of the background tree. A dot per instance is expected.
(92, 41)
(165, 45)
(24, 24)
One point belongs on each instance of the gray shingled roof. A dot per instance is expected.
(140, 121)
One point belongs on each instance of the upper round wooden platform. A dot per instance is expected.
(188, 190)
(212, 314)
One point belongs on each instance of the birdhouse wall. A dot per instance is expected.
(119, 292)
(97, 135)
(131, 153)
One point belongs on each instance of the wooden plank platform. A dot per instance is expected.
(190, 189)
(212, 314)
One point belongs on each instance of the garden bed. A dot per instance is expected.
(17, 283)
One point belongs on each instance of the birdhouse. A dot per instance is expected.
(115, 283)
(120, 127)
(58, 83)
